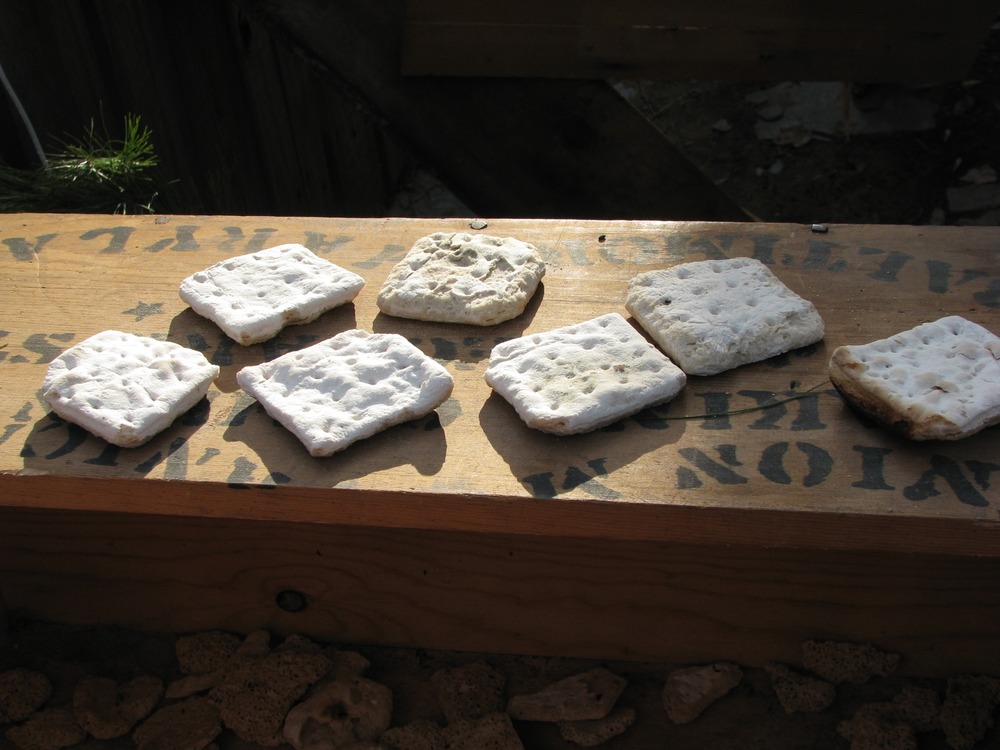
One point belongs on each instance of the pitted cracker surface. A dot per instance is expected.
(714, 315)
(252, 297)
(582, 377)
(126, 388)
(937, 381)
(463, 278)
(347, 388)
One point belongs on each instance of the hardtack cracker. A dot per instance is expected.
(584, 376)
(714, 315)
(126, 388)
(938, 381)
(252, 297)
(349, 387)
(463, 278)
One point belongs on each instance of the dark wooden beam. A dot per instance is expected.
(507, 147)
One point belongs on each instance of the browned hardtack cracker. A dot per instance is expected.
(938, 381)
(463, 278)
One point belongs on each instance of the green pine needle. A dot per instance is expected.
(97, 174)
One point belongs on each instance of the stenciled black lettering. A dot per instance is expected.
(21, 249)
(950, 472)
(274, 348)
(207, 456)
(891, 265)
(717, 404)
(242, 473)
(177, 461)
(720, 472)
(769, 417)
(39, 344)
(319, 244)
(808, 413)
(182, 241)
(938, 276)
(21, 418)
(261, 238)
(654, 417)
(75, 437)
(389, 254)
(119, 238)
(990, 297)
(872, 468)
(982, 472)
(107, 457)
(444, 349)
(763, 248)
(541, 485)
(577, 250)
(818, 257)
(818, 460)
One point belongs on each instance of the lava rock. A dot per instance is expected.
(691, 690)
(49, 729)
(107, 709)
(192, 724)
(202, 653)
(593, 732)
(799, 693)
(967, 712)
(588, 695)
(22, 692)
(470, 691)
(847, 662)
(492, 732)
(341, 713)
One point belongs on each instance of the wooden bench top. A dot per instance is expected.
(806, 473)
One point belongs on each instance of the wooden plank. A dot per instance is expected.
(651, 39)
(806, 474)
(523, 148)
(661, 537)
(649, 53)
(890, 16)
(523, 594)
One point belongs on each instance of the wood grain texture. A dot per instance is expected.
(647, 39)
(670, 535)
(499, 593)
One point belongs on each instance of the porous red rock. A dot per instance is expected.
(799, 693)
(491, 732)
(339, 714)
(107, 709)
(967, 712)
(48, 729)
(191, 724)
(839, 662)
(22, 692)
(690, 690)
(205, 652)
(594, 732)
(470, 691)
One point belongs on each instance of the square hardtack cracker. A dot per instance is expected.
(252, 297)
(582, 377)
(938, 381)
(714, 315)
(126, 388)
(463, 278)
(347, 388)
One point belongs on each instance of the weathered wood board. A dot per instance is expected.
(774, 40)
(669, 535)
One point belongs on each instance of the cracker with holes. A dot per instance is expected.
(347, 388)
(463, 278)
(582, 377)
(252, 297)
(714, 315)
(126, 388)
(938, 381)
